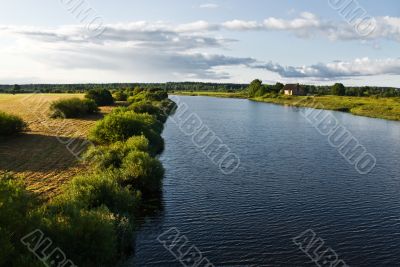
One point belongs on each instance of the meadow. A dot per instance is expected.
(374, 107)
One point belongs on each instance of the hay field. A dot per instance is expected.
(46, 156)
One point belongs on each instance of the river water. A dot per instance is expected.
(290, 179)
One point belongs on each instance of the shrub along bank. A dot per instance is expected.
(93, 220)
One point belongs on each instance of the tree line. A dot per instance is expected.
(258, 90)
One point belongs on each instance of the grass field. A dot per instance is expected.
(383, 108)
(42, 155)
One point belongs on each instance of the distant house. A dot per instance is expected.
(293, 89)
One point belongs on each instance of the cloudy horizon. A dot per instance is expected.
(220, 41)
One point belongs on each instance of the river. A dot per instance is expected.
(290, 179)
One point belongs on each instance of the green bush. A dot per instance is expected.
(11, 124)
(168, 106)
(122, 125)
(102, 97)
(156, 142)
(137, 98)
(16, 221)
(110, 157)
(72, 108)
(96, 190)
(87, 237)
(157, 95)
(120, 96)
(142, 171)
(148, 107)
(149, 95)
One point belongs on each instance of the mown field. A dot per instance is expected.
(42, 155)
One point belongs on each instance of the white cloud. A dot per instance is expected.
(209, 6)
(162, 51)
(241, 25)
(139, 48)
(338, 69)
(308, 24)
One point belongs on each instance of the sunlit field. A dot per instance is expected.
(42, 155)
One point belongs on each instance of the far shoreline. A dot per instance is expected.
(387, 108)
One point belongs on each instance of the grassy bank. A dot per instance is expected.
(93, 217)
(382, 107)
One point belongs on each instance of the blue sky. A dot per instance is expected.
(47, 41)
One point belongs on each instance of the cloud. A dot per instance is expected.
(163, 51)
(338, 69)
(209, 6)
(308, 25)
(137, 47)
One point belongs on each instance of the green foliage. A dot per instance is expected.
(88, 237)
(92, 221)
(16, 89)
(102, 97)
(72, 108)
(96, 190)
(16, 221)
(142, 171)
(110, 157)
(255, 88)
(122, 125)
(193, 87)
(278, 87)
(137, 90)
(148, 107)
(338, 89)
(149, 95)
(120, 96)
(137, 97)
(168, 106)
(10, 124)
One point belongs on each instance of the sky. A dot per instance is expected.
(290, 41)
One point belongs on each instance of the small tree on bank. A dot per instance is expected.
(338, 89)
(255, 88)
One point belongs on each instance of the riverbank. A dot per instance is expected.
(92, 218)
(382, 108)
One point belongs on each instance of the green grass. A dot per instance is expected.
(383, 108)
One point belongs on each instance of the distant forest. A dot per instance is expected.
(190, 86)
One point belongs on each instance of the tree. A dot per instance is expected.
(102, 97)
(16, 89)
(255, 88)
(278, 87)
(120, 96)
(338, 89)
(137, 90)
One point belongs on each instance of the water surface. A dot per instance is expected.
(290, 180)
